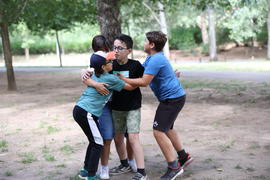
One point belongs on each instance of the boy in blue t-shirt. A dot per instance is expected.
(89, 107)
(160, 76)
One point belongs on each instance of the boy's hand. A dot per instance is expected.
(101, 88)
(85, 74)
(177, 73)
(120, 76)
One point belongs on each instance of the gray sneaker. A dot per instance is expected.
(171, 173)
(139, 176)
(119, 170)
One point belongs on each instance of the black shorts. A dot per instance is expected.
(167, 113)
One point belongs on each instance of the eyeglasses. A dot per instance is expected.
(119, 48)
(109, 61)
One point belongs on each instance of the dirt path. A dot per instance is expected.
(227, 131)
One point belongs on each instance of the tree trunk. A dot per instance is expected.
(212, 34)
(26, 53)
(268, 29)
(109, 19)
(8, 57)
(58, 48)
(163, 25)
(201, 22)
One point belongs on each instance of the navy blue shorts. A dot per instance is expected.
(167, 113)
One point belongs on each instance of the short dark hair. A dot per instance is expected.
(100, 43)
(158, 38)
(126, 39)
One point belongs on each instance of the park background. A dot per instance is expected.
(220, 46)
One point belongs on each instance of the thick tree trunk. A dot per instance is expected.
(8, 57)
(212, 34)
(109, 18)
(163, 25)
(58, 49)
(268, 28)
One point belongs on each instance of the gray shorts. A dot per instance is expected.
(127, 121)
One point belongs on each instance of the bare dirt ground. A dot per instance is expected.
(226, 129)
(225, 125)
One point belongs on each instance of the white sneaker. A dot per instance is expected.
(132, 164)
(104, 173)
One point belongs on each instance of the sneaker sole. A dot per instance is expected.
(178, 174)
(187, 163)
(115, 174)
(81, 177)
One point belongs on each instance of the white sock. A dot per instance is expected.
(133, 164)
(106, 167)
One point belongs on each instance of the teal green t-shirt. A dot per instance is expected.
(93, 102)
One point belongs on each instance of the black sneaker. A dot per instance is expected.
(139, 176)
(120, 170)
(172, 173)
(185, 161)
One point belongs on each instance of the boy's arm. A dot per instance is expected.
(87, 80)
(143, 81)
(129, 87)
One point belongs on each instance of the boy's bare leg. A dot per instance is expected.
(137, 149)
(165, 145)
(120, 146)
(106, 152)
(130, 153)
(175, 139)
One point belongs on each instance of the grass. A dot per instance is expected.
(28, 157)
(67, 149)
(8, 173)
(245, 66)
(3, 144)
(49, 157)
(238, 166)
(52, 129)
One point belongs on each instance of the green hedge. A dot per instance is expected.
(184, 38)
(44, 47)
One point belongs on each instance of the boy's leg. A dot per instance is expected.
(165, 145)
(130, 154)
(106, 152)
(120, 128)
(175, 139)
(90, 127)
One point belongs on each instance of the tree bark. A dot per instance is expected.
(268, 29)
(163, 26)
(212, 34)
(108, 14)
(8, 57)
(201, 22)
(26, 53)
(58, 48)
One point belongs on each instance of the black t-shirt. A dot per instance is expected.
(127, 100)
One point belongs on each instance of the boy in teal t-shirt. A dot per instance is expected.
(89, 107)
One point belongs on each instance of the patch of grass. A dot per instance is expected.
(208, 160)
(8, 173)
(67, 149)
(250, 169)
(238, 166)
(224, 147)
(28, 157)
(52, 129)
(45, 149)
(42, 124)
(254, 146)
(3, 144)
(49, 157)
(247, 66)
(61, 166)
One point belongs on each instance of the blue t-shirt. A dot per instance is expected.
(165, 84)
(93, 102)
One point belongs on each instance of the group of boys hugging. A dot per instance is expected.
(110, 108)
